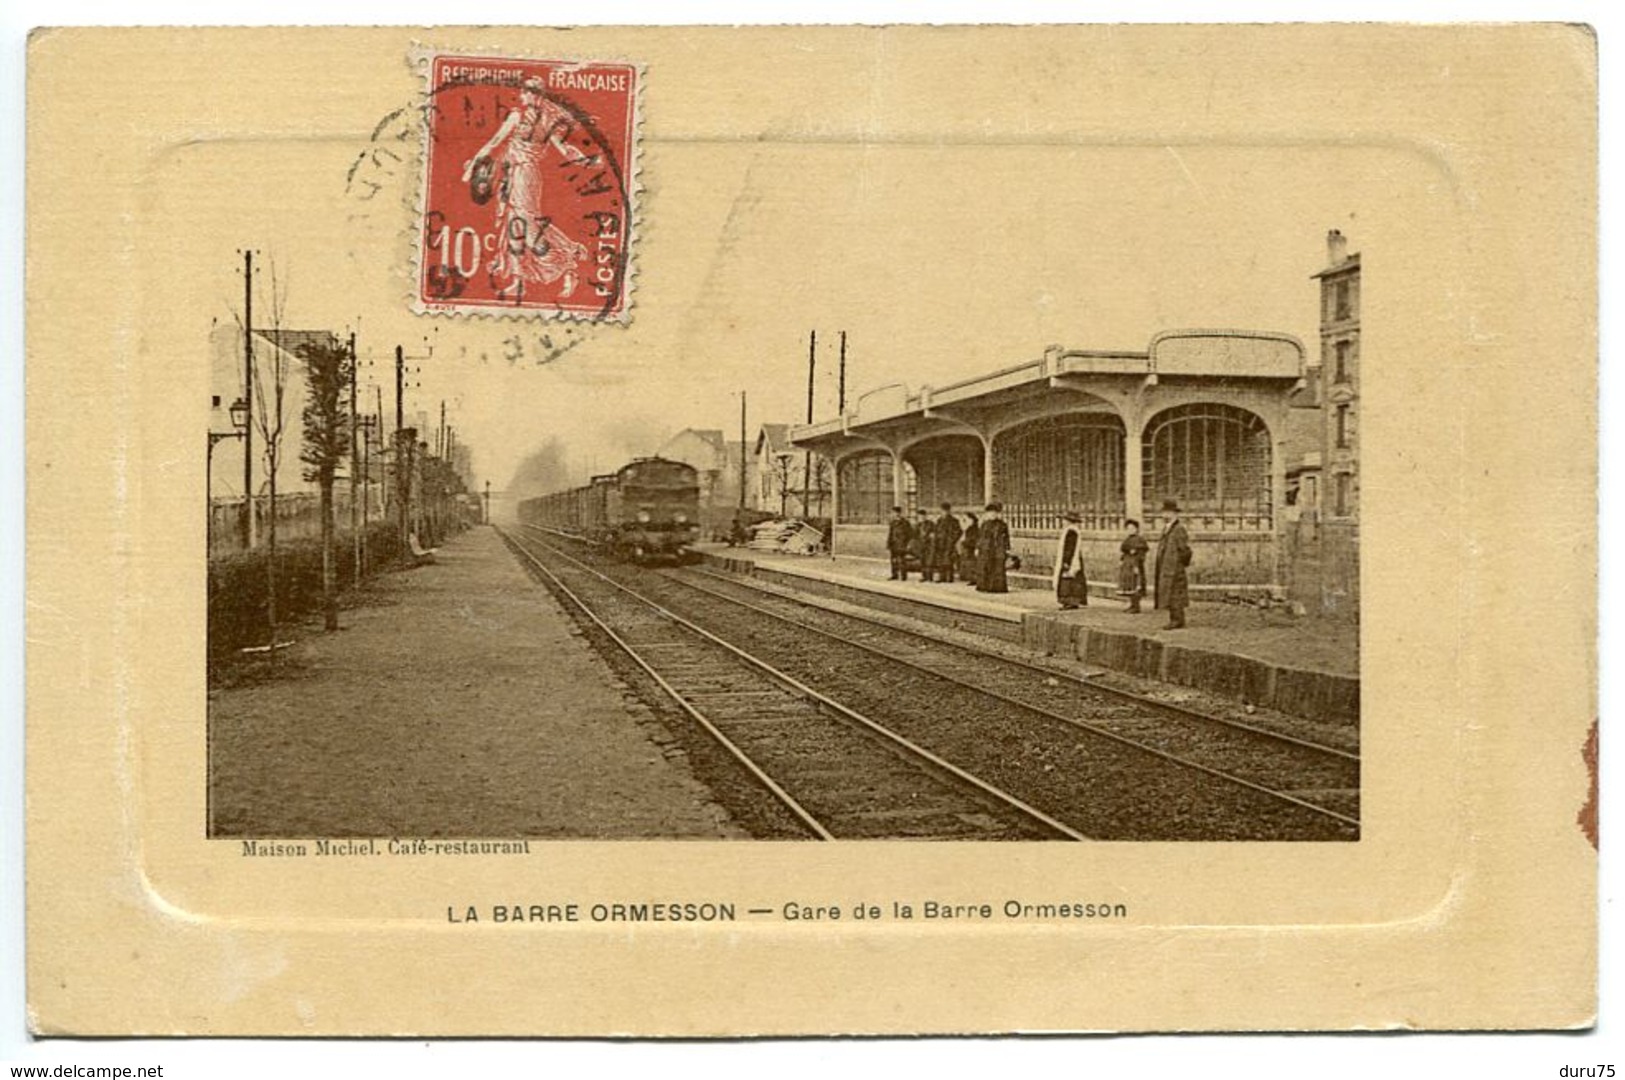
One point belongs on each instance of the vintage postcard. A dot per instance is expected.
(790, 530)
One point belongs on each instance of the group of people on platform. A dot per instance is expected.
(978, 553)
(1170, 573)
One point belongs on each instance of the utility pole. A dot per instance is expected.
(366, 483)
(488, 502)
(407, 455)
(806, 465)
(840, 391)
(355, 464)
(840, 410)
(403, 448)
(383, 488)
(741, 452)
(440, 436)
(248, 396)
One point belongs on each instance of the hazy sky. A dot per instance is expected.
(940, 260)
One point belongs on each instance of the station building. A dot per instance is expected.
(1204, 417)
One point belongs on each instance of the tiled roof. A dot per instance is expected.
(777, 437)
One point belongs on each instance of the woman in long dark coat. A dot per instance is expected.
(920, 547)
(992, 548)
(970, 571)
(1067, 574)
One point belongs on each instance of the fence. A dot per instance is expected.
(1051, 517)
(298, 517)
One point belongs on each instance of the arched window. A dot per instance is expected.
(865, 488)
(1074, 462)
(1214, 460)
(949, 469)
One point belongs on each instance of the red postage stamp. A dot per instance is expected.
(529, 181)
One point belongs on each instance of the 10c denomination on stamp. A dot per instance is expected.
(529, 181)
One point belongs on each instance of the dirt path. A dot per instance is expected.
(457, 701)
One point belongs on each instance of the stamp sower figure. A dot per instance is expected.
(944, 544)
(1173, 556)
(1071, 586)
(992, 547)
(969, 570)
(1131, 568)
(531, 249)
(920, 549)
(899, 535)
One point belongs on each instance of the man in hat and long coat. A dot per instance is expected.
(992, 548)
(944, 544)
(1173, 556)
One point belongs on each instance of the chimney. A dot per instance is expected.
(1337, 248)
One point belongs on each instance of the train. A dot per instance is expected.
(648, 510)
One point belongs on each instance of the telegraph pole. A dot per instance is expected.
(248, 396)
(383, 488)
(407, 455)
(741, 452)
(840, 392)
(355, 463)
(403, 448)
(366, 482)
(488, 502)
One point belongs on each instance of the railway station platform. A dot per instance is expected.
(1268, 657)
(457, 701)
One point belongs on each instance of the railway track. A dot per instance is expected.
(1112, 765)
(841, 774)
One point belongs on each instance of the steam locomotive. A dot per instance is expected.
(649, 509)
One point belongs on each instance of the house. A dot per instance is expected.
(721, 468)
(786, 481)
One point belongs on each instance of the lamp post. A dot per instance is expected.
(239, 421)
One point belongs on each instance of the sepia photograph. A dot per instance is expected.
(1038, 524)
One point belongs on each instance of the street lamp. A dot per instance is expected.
(239, 421)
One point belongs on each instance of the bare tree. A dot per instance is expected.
(820, 482)
(782, 480)
(271, 380)
(328, 373)
(791, 478)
